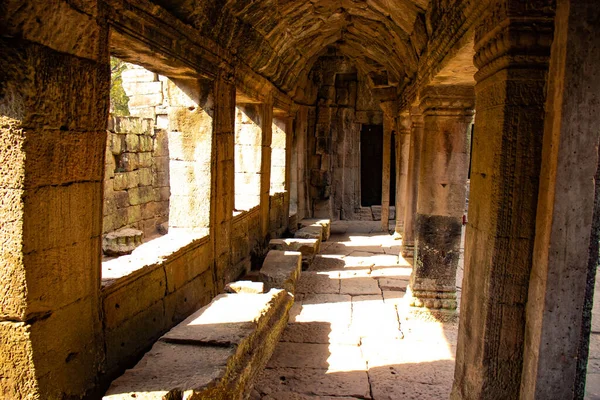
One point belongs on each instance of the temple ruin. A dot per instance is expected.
(244, 199)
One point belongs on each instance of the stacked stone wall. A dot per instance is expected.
(136, 183)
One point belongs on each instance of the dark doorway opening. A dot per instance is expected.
(371, 161)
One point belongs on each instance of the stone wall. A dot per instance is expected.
(136, 180)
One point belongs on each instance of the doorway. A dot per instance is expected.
(371, 166)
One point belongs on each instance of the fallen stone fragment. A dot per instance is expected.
(308, 248)
(121, 242)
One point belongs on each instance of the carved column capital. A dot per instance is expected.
(403, 122)
(514, 34)
(448, 100)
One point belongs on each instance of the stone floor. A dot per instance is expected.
(349, 337)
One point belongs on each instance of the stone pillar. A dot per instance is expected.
(54, 99)
(447, 114)
(389, 127)
(512, 46)
(402, 160)
(289, 136)
(265, 168)
(223, 181)
(565, 258)
(412, 185)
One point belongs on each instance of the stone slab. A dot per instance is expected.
(245, 287)
(167, 368)
(310, 232)
(281, 270)
(227, 320)
(319, 282)
(308, 248)
(333, 357)
(203, 357)
(278, 381)
(325, 223)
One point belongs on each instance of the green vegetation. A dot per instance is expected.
(118, 99)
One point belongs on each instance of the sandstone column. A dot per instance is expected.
(389, 126)
(512, 50)
(289, 136)
(402, 160)
(54, 97)
(222, 201)
(412, 185)
(558, 311)
(447, 114)
(265, 168)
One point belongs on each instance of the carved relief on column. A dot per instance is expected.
(512, 49)
(412, 183)
(447, 113)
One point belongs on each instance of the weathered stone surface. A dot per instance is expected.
(227, 320)
(308, 248)
(215, 353)
(311, 232)
(281, 269)
(325, 223)
(245, 287)
(121, 242)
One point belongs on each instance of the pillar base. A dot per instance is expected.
(433, 304)
(408, 250)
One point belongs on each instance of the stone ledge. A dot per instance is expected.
(308, 248)
(281, 270)
(325, 223)
(215, 353)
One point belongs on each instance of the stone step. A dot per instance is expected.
(281, 270)
(308, 248)
(325, 223)
(215, 353)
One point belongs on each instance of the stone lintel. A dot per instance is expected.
(448, 100)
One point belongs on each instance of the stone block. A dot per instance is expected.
(121, 242)
(141, 195)
(314, 231)
(215, 353)
(281, 270)
(127, 340)
(145, 100)
(308, 248)
(128, 162)
(132, 142)
(146, 143)
(245, 287)
(138, 74)
(145, 176)
(136, 87)
(117, 144)
(126, 180)
(325, 223)
(376, 211)
(134, 297)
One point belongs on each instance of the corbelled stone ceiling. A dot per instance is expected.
(281, 39)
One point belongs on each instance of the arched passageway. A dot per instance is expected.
(244, 127)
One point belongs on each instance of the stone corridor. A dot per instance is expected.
(349, 336)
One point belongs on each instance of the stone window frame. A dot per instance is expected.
(191, 234)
